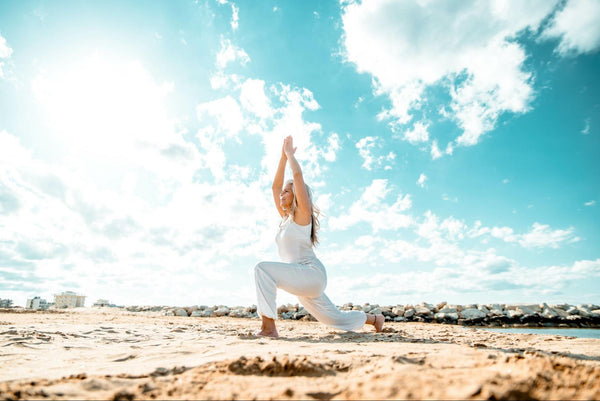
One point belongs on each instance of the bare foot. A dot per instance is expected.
(379, 320)
(264, 333)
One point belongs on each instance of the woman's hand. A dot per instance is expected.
(288, 146)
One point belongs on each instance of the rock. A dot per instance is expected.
(484, 309)
(409, 313)
(526, 310)
(282, 309)
(222, 311)
(596, 312)
(203, 307)
(472, 313)
(428, 306)
(447, 309)
(441, 305)
(512, 313)
(207, 313)
(169, 313)
(399, 319)
(583, 311)
(498, 307)
(237, 313)
(421, 310)
(564, 307)
(398, 311)
(196, 313)
(367, 308)
(181, 312)
(573, 310)
(560, 312)
(250, 309)
(287, 315)
(470, 306)
(347, 306)
(547, 312)
(376, 311)
(534, 307)
(446, 316)
(357, 307)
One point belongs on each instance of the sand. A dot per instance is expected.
(112, 354)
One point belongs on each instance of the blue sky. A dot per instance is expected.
(453, 147)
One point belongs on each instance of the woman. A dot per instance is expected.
(301, 273)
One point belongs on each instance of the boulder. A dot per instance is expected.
(282, 309)
(547, 312)
(399, 319)
(421, 310)
(534, 307)
(357, 307)
(367, 308)
(526, 310)
(181, 312)
(196, 313)
(498, 307)
(560, 312)
(512, 313)
(583, 311)
(441, 305)
(376, 311)
(440, 316)
(447, 309)
(222, 311)
(398, 311)
(484, 309)
(207, 312)
(573, 310)
(409, 313)
(472, 313)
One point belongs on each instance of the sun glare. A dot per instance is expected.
(104, 107)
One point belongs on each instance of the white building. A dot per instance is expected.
(36, 303)
(102, 302)
(68, 299)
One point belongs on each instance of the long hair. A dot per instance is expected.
(315, 212)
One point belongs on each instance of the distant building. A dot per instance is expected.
(6, 303)
(102, 302)
(36, 303)
(68, 299)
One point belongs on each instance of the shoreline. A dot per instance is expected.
(586, 316)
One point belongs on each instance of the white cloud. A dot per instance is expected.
(418, 133)
(421, 180)
(230, 53)
(590, 203)
(505, 181)
(542, 235)
(372, 209)
(586, 128)
(5, 50)
(467, 45)
(366, 147)
(5, 53)
(435, 150)
(577, 26)
(226, 111)
(235, 18)
(253, 98)
(333, 145)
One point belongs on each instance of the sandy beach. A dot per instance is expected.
(114, 354)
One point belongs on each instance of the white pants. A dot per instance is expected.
(307, 282)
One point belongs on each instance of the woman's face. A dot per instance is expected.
(286, 197)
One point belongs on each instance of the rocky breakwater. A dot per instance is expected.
(496, 315)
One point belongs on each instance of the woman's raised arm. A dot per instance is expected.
(278, 182)
(304, 214)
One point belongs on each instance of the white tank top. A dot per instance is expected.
(293, 243)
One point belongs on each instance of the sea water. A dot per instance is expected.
(581, 333)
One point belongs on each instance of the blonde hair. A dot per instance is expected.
(315, 212)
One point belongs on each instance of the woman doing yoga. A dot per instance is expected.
(300, 272)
